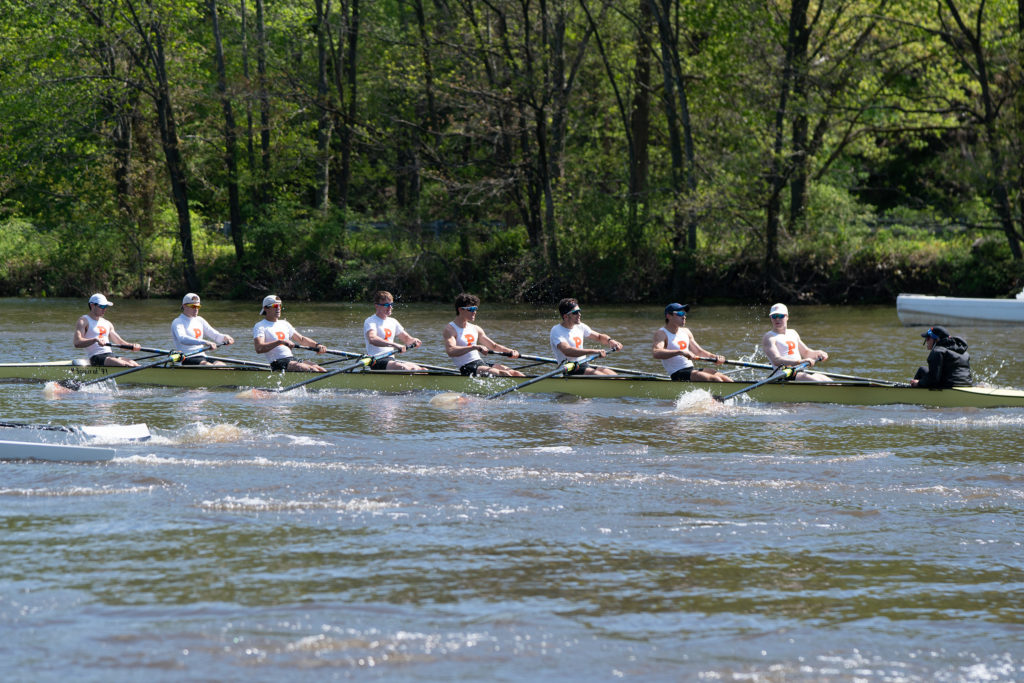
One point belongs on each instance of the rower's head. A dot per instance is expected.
(570, 311)
(676, 313)
(467, 304)
(383, 303)
(779, 315)
(190, 305)
(933, 334)
(98, 304)
(271, 305)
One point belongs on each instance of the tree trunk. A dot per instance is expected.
(263, 194)
(230, 139)
(322, 199)
(640, 127)
(172, 155)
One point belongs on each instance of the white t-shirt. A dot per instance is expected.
(189, 333)
(466, 336)
(267, 331)
(98, 328)
(387, 329)
(574, 337)
(679, 340)
(786, 344)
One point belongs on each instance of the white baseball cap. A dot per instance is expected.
(100, 300)
(190, 298)
(779, 308)
(270, 300)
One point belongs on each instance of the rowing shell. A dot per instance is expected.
(26, 450)
(848, 393)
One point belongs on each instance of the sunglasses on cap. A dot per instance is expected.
(777, 316)
(471, 309)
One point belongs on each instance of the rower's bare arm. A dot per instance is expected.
(699, 350)
(572, 352)
(80, 341)
(117, 339)
(408, 339)
(660, 350)
(608, 341)
(451, 346)
(772, 353)
(262, 346)
(375, 340)
(306, 341)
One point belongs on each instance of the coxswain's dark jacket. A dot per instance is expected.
(949, 365)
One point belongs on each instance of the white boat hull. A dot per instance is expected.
(919, 309)
(26, 450)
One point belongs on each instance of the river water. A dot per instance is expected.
(339, 535)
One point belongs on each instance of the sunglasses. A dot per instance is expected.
(777, 316)
(471, 309)
(575, 310)
(199, 305)
(681, 314)
(274, 306)
(389, 305)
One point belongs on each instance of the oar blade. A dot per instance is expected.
(134, 432)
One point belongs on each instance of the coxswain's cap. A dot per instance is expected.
(935, 332)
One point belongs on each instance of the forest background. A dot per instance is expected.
(622, 150)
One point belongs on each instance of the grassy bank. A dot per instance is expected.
(319, 260)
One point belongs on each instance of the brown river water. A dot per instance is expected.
(350, 535)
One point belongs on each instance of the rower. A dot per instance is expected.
(190, 330)
(274, 337)
(676, 348)
(465, 341)
(381, 331)
(567, 340)
(784, 347)
(949, 364)
(94, 333)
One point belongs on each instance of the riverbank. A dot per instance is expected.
(864, 266)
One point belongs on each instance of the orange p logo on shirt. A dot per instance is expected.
(791, 345)
(578, 341)
(469, 339)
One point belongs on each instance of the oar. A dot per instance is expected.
(763, 366)
(625, 371)
(233, 361)
(244, 364)
(75, 385)
(563, 367)
(778, 375)
(363, 362)
(349, 354)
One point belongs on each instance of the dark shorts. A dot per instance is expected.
(280, 364)
(380, 364)
(580, 369)
(194, 360)
(470, 368)
(99, 359)
(682, 375)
